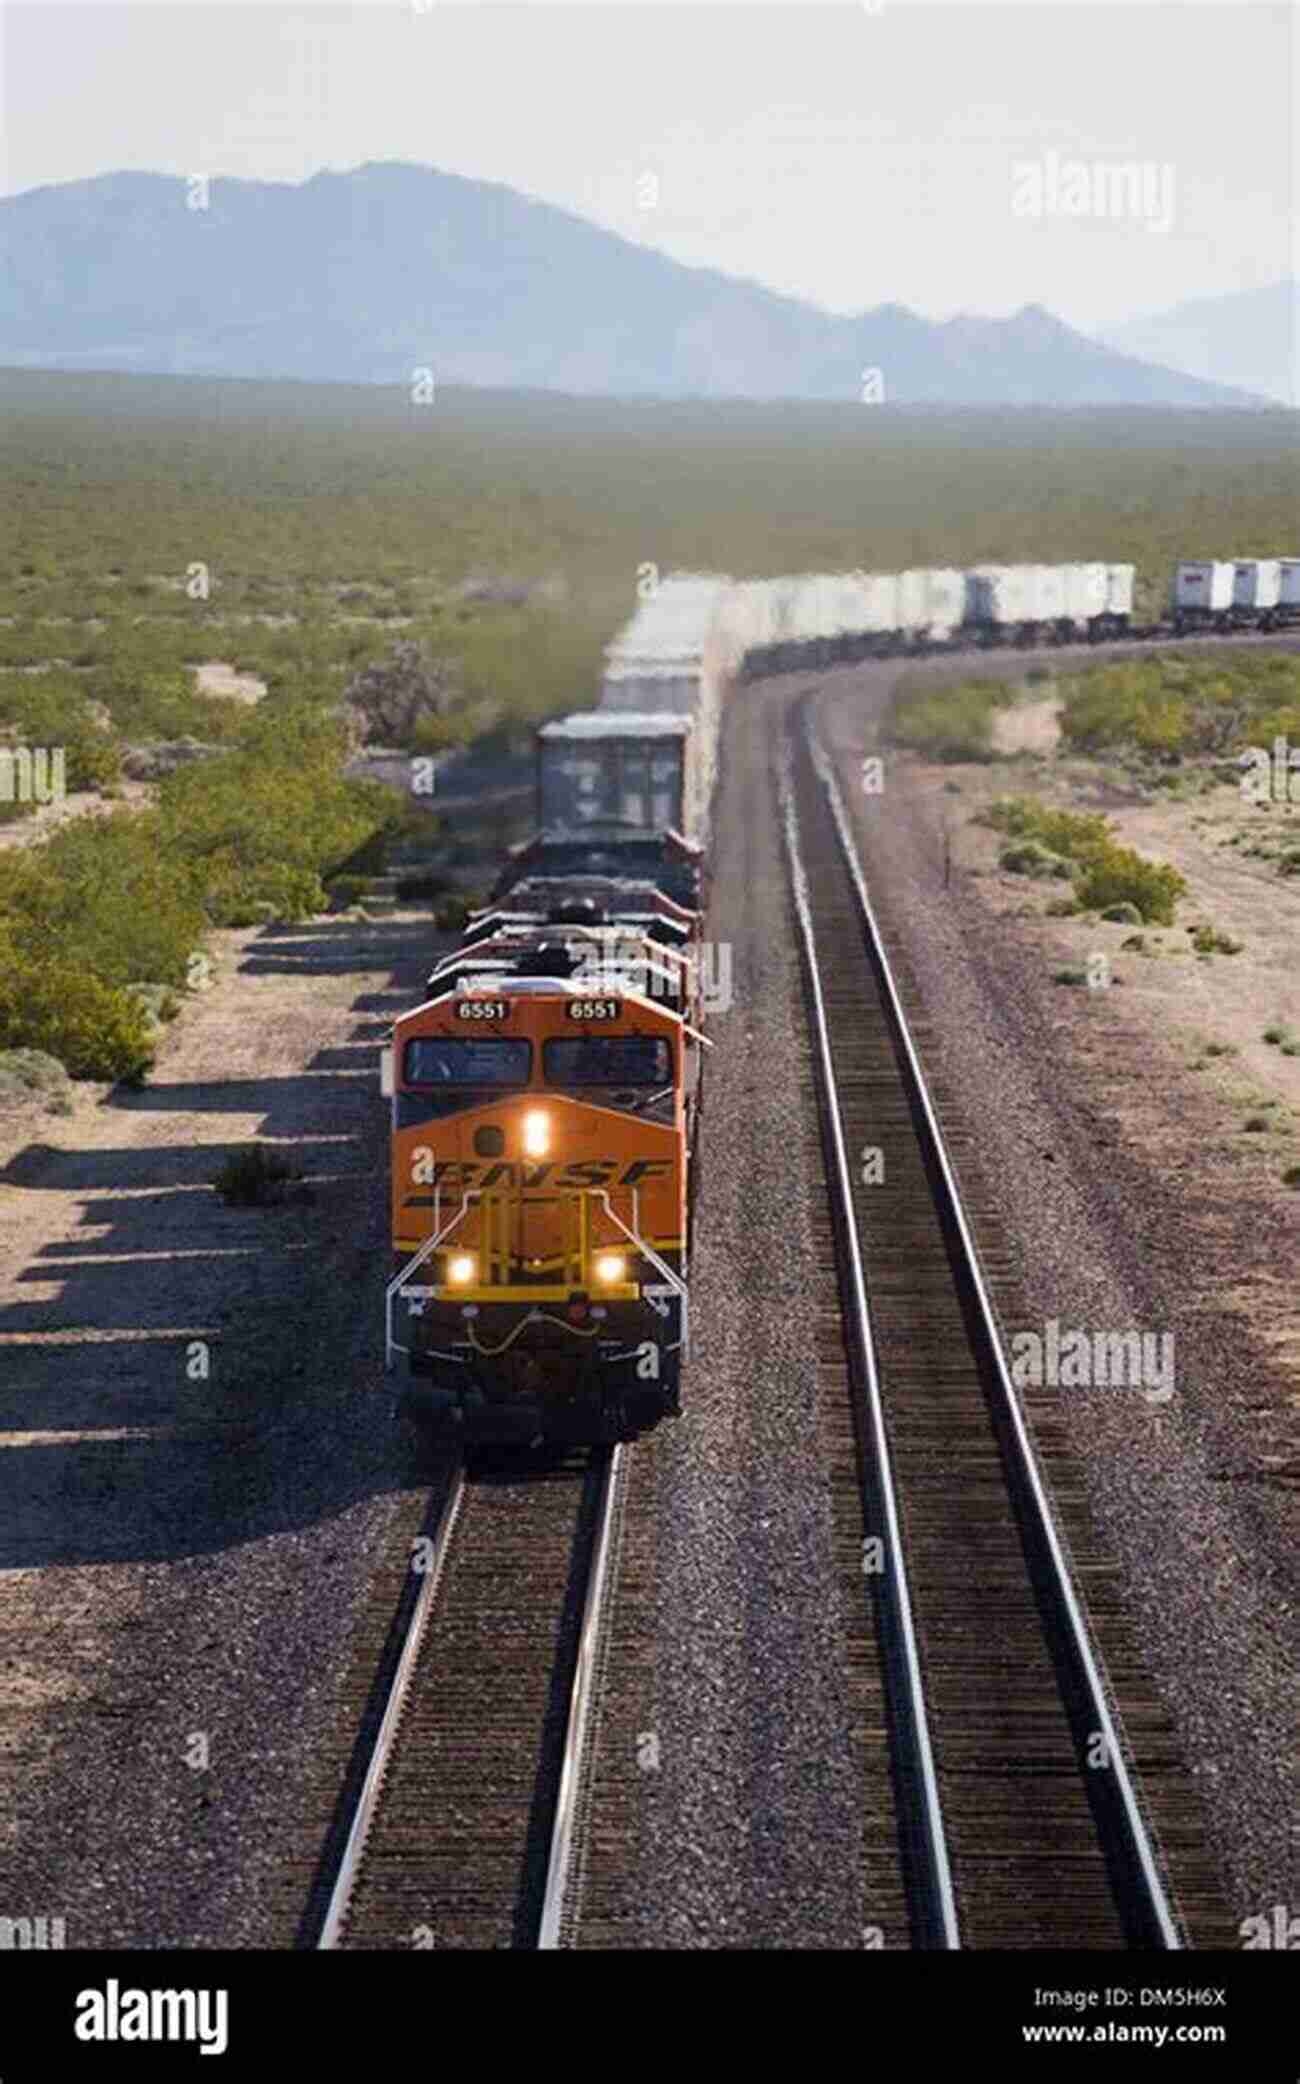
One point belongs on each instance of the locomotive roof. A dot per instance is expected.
(501, 983)
(618, 723)
(508, 961)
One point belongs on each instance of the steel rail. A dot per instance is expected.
(558, 1892)
(381, 1751)
(938, 1908)
(1145, 1903)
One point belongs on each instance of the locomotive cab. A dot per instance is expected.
(540, 1175)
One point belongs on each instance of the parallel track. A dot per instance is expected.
(460, 1822)
(1018, 1814)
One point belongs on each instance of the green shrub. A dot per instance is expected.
(158, 1000)
(52, 710)
(1109, 874)
(1151, 887)
(265, 822)
(1207, 940)
(1082, 835)
(1028, 858)
(149, 701)
(452, 914)
(1171, 707)
(343, 891)
(255, 1177)
(96, 1030)
(25, 1073)
(252, 894)
(947, 724)
(109, 900)
(100, 893)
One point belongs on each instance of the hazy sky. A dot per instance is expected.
(853, 155)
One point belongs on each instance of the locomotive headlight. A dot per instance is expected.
(537, 1132)
(460, 1269)
(611, 1267)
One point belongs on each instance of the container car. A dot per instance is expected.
(1203, 593)
(931, 602)
(622, 771)
(1085, 590)
(1119, 597)
(1256, 587)
(1288, 591)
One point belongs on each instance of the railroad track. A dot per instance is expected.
(462, 1819)
(1015, 1799)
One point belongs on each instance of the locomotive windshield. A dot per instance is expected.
(473, 1060)
(608, 1060)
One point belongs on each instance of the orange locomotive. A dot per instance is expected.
(545, 1102)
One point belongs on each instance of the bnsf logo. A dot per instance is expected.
(587, 1172)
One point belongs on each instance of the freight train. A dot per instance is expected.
(546, 1091)
(831, 620)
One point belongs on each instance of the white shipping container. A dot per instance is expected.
(808, 608)
(1085, 591)
(876, 608)
(852, 604)
(644, 688)
(945, 599)
(673, 622)
(1204, 585)
(1288, 591)
(978, 603)
(1119, 589)
(1047, 592)
(914, 601)
(767, 609)
(1256, 582)
(1001, 594)
(749, 614)
(784, 596)
(826, 603)
(801, 611)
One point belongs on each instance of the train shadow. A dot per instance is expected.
(177, 1375)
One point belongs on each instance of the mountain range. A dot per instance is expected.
(373, 274)
(1250, 337)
